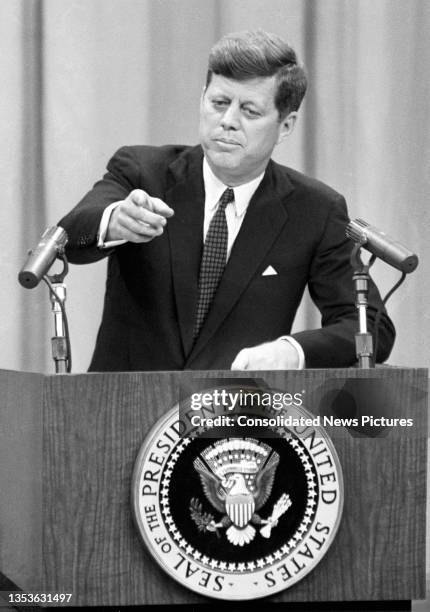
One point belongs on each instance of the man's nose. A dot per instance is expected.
(230, 120)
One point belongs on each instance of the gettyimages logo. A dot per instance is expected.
(237, 517)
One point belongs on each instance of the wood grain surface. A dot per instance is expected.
(94, 426)
(21, 446)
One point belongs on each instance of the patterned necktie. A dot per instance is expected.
(213, 260)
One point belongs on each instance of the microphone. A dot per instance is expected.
(377, 242)
(52, 243)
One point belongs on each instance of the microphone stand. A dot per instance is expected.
(363, 338)
(60, 343)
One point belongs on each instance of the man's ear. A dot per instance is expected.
(287, 126)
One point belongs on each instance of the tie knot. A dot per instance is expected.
(227, 197)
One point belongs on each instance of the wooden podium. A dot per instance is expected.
(68, 445)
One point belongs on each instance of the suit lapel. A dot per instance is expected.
(264, 220)
(185, 230)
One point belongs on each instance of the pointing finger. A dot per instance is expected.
(139, 197)
(161, 208)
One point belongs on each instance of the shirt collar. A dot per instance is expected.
(214, 188)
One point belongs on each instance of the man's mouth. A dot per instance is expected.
(227, 142)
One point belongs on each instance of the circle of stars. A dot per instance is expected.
(270, 559)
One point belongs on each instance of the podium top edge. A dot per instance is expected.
(379, 370)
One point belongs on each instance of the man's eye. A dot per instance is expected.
(219, 103)
(250, 112)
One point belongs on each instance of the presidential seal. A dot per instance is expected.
(238, 517)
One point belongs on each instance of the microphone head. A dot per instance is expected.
(355, 230)
(410, 263)
(377, 242)
(51, 244)
(28, 279)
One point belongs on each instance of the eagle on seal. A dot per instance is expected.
(237, 478)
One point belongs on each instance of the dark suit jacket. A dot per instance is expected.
(293, 223)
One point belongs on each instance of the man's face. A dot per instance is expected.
(240, 127)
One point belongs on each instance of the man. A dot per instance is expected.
(210, 247)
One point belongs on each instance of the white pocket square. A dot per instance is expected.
(269, 271)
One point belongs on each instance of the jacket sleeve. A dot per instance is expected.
(331, 288)
(82, 223)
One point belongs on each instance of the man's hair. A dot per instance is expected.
(252, 54)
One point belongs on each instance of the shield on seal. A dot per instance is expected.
(240, 509)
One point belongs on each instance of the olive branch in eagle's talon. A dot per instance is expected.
(203, 520)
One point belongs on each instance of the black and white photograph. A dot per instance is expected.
(214, 324)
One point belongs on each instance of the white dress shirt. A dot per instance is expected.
(234, 212)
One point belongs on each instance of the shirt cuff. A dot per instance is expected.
(103, 227)
(300, 352)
